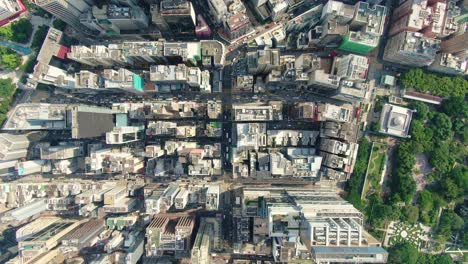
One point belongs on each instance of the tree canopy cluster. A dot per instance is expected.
(59, 24)
(441, 136)
(403, 185)
(7, 90)
(18, 31)
(407, 253)
(39, 37)
(450, 223)
(444, 86)
(9, 59)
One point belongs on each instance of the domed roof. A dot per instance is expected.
(398, 121)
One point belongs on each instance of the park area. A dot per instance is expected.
(375, 169)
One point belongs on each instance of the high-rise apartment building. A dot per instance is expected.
(422, 16)
(352, 67)
(365, 29)
(127, 18)
(450, 64)
(8, 8)
(69, 11)
(355, 28)
(13, 147)
(412, 49)
(456, 43)
(179, 16)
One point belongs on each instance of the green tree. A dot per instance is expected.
(464, 135)
(39, 37)
(425, 200)
(443, 259)
(379, 103)
(442, 127)
(442, 158)
(465, 236)
(11, 61)
(377, 212)
(403, 253)
(374, 127)
(410, 214)
(421, 137)
(59, 24)
(17, 31)
(460, 177)
(403, 185)
(450, 189)
(22, 30)
(439, 85)
(455, 107)
(458, 126)
(6, 32)
(421, 110)
(449, 223)
(7, 90)
(425, 259)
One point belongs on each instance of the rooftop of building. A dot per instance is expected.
(428, 98)
(237, 21)
(136, 48)
(186, 50)
(354, 90)
(395, 120)
(177, 7)
(37, 116)
(185, 221)
(167, 73)
(345, 250)
(451, 61)
(373, 16)
(159, 222)
(49, 231)
(101, 118)
(418, 43)
(423, 14)
(213, 49)
(51, 46)
(10, 140)
(337, 9)
(363, 38)
(120, 12)
(353, 66)
(84, 229)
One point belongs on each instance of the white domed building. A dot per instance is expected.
(395, 120)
